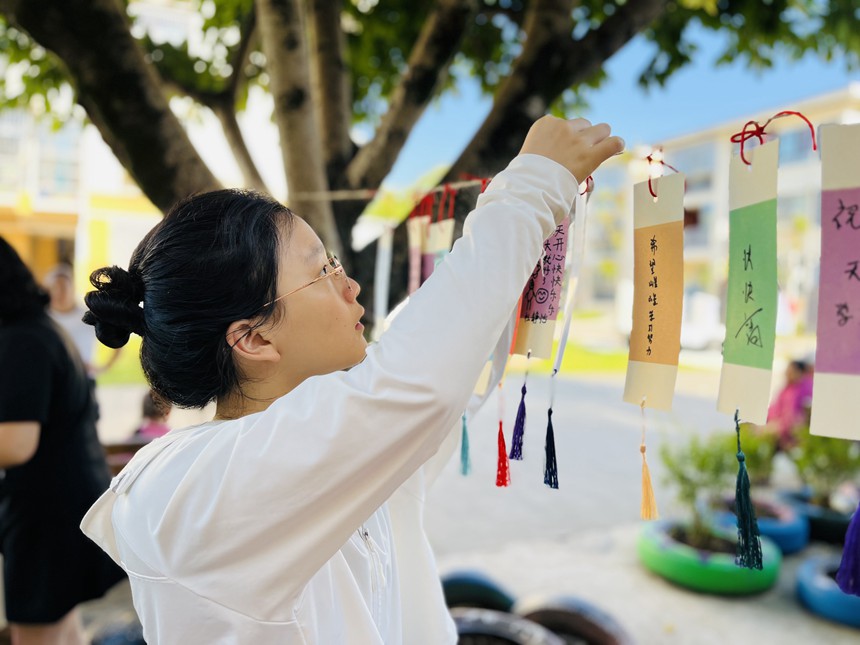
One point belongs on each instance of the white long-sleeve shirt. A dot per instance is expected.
(303, 523)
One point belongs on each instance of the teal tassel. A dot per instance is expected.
(465, 462)
(749, 543)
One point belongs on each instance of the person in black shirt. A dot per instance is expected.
(54, 468)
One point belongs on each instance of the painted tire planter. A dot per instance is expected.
(488, 627)
(474, 589)
(825, 525)
(789, 529)
(705, 571)
(818, 591)
(573, 619)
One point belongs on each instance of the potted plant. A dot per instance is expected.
(781, 522)
(695, 553)
(824, 464)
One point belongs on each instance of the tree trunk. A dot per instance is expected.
(282, 26)
(331, 87)
(121, 93)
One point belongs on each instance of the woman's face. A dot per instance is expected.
(320, 330)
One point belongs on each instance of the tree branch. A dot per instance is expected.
(332, 88)
(248, 32)
(226, 113)
(282, 28)
(429, 60)
(122, 95)
(551, 61)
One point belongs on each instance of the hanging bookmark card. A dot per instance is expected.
(658, 292)
(752, 287)
(440, 236)
(541, 297)
(416, 235)
(835, 404)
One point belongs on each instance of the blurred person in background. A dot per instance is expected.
(65, 309)
(54, 468)
(155, 412)
(789, 410)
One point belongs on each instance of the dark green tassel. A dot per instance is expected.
(749, 542)
(465, 462)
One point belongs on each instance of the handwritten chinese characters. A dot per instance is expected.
(542, 294)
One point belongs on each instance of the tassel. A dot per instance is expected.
(465, 461)
(749, 544)
(550, 473)
(649, 503)
(519, 428)
(503, 473)
(848, 576)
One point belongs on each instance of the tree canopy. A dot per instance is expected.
(330, 65)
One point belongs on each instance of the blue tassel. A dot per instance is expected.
(749, 543)
(519, 428)
(848, 576)
(550, 473)
(465, 462)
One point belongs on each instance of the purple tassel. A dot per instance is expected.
(550, 473)
(519, 428)
(848, 576)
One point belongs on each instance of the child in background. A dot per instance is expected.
(155, 413)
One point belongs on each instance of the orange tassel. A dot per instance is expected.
(649, 504)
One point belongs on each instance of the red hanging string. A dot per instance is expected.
(440, 212)
(452, 198)
(589, 185)
(651, 160)
(754, 129)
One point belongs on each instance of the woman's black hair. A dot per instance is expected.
(20, 296)
(211, 261)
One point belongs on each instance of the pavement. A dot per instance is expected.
(579, 539)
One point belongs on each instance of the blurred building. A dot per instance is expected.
(704, 158)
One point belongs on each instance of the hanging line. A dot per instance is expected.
(358, 194)
(648, 510)
(651, 159)
(754, 129)
(550, 476)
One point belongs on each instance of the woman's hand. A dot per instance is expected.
(577, 145)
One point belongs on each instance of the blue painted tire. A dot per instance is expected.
(819, 593)
(789, 530)
(825, 525)
(705, 571)
(474, 589)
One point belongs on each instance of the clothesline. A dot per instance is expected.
(369, 193)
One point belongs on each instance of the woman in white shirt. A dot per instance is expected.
(295, 515)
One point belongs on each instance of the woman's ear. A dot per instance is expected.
(249, 343)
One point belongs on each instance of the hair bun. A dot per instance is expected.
(114, 307)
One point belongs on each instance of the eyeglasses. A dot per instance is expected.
(332, 269)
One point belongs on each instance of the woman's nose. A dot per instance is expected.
(353, 288)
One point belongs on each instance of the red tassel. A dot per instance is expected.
(503, 472)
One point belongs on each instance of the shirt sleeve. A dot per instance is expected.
(25, 379)
(277, 498)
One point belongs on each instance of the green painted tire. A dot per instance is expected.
(704, 571)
